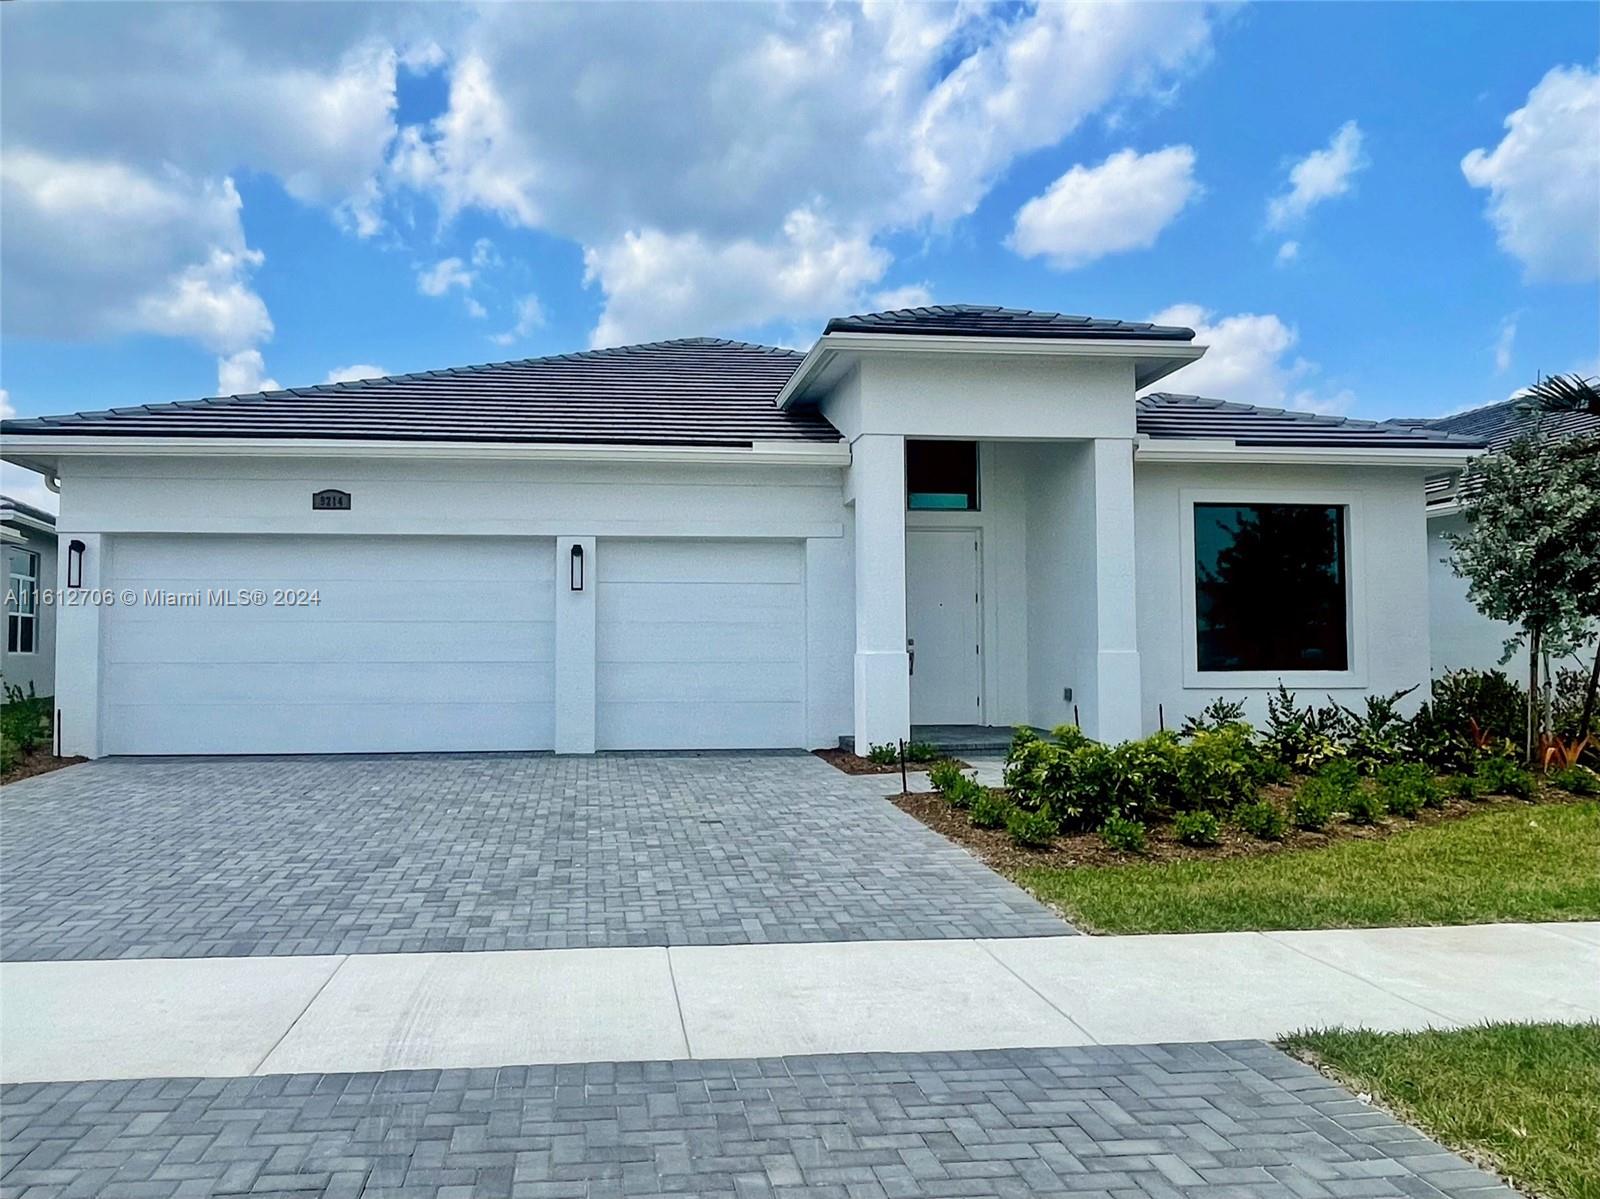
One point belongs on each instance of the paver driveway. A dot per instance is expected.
(208, 857)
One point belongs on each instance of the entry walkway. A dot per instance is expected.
(213, 1017)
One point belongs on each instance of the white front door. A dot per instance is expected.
(943, 603)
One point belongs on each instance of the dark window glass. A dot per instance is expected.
(942, 475)
(1270, 587)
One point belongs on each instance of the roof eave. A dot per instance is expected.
(1225, 450)
(1153, 359)
(44, 452)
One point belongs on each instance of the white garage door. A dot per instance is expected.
(700, 645)
(414, 643)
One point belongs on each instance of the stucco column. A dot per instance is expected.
(78, 667)
(1117, 701)
(575, 648)
(877, 486)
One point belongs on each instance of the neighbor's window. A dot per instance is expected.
(942, 475)
(1270, 587)
(22, 600)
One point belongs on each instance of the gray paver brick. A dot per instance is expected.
(787, 1127)
(216, 857)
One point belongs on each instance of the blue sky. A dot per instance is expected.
(216, 198)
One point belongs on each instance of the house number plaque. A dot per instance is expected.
(330, 499)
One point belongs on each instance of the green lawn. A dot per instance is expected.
(1524, 1096)
(1521, 863)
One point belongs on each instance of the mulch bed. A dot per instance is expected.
(994, 847)
(843, 759)
(36, 761)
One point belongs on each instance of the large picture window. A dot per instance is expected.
(22, 600)
(1270, 587)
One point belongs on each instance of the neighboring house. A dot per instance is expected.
(936, 516)
(29, 535)
(1462, 636)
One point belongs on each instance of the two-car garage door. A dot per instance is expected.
(444, 643)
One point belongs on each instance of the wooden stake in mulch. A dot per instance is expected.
(905, 787)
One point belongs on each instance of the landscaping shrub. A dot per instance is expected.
(1314, 805)
(1144, 775)
(1218, 769)
(1069, 736)
(1077, 787)
(1363, 806)
(1197, 828)
(988, 809)
(944, 775)
(1576, 780)
(1300, 738)
(1262, 819)
(1464, 786)
(1406, 788)
(1030, 828)
(1342, 775)
(1219, 713)
(1469, 711)
(1499, 775)
(883, 755)
(24, 725)
(1566, 705)
(923, 751)
(963, 793)
(1379, 734)
(1121, 833)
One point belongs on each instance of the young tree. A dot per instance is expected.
(1531, 552)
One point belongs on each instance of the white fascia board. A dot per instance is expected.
(43, 453)
(833, 350)
(1222, 450)
(23, 520)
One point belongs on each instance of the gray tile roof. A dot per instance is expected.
(696, 391)
(10, 507)
(1163, 414)
(974, 320)
(1497, 425)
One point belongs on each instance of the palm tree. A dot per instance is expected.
(1561, 393)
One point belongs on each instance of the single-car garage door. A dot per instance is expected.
(412, 643)
(700, 644)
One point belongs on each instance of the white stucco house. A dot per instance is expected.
(1463, 637)
(29, 537)
(937, 516)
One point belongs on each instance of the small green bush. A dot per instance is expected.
(1576, 780)
(923, 751)
(882, 755)
(1464, 787)
(1069, 736)
(1124, 834)
(1262, 819)
(1406, 788)
(1314, 804)
(1501, 776)
(1078, 790)
(988, 809)
(1342, 775)
(944, 775)
(1032, 829)
(1363, 806)
(1144, 775)
(964, 792)
(1218, 769)
(1197, 828)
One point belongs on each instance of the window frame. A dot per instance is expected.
(15, 617)
(1354, 676)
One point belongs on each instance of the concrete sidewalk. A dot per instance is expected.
(223, 1017)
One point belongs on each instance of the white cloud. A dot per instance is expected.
(28, 487)
(1543, 178)
(1505, 344)
(658, 285)
(7, 408)
(1287, 253)
(1247, 362)
(912, 295)
(1122, 204)
(484, 255)
(360, 370)
(94, 249)
(442, 276)
(529, 316)
(474, 309)
(243, 373)
(1320, 175)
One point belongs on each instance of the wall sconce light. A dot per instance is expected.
(577, 568)
(75, 550)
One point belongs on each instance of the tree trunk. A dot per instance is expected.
(1589, 694)
(1533, 693)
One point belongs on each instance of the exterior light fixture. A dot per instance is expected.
(75, 550)
(577, 567)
